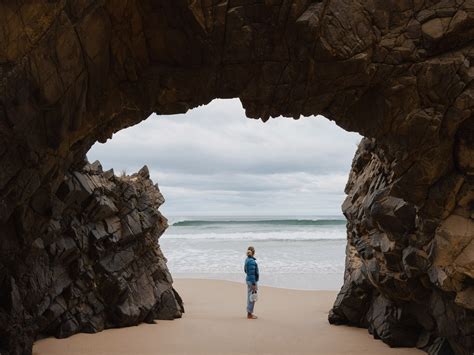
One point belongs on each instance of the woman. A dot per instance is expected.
(251, 269)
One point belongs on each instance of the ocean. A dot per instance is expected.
(292, 252)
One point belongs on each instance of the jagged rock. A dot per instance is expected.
(465, 298)
(352, 302)
(398, 72)
(392, 323)
(415, 261)
(453, 253)
(408, 260)
(465, 149)
(88, 278)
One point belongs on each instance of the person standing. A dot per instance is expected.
(251, 269)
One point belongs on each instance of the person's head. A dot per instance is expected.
(250, 251)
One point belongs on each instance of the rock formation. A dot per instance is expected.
(96, 264)
(409, 268)
(397, 71)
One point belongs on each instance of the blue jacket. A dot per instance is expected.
(251, 269)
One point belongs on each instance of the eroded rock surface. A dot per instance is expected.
(408, 270)
(95, 265)
(398, 72)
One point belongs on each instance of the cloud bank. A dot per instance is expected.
(215, 161)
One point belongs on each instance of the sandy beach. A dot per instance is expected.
(290, 322)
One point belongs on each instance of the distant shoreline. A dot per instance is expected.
(262, 221)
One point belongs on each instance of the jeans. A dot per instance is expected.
(250, 305)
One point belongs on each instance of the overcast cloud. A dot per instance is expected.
(215, 161)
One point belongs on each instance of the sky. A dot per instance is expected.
(215, 161)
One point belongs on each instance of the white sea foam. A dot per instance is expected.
(294, 254)
(335, 234)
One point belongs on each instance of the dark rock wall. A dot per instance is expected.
(96, 264)
(408, 267)
(398, 72)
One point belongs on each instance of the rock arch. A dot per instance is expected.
(398, 72)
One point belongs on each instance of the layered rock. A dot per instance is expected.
(398, 72)
(402, 256)
(96, 264)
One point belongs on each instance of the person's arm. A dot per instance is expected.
(255, 272)
(245, 266)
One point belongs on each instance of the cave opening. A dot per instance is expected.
(73, 73)
(230, 182)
